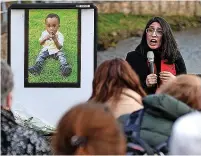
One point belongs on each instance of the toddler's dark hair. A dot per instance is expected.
(52, 16)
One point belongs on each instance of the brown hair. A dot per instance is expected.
(186, 88)
(95, 126)
(111, 77)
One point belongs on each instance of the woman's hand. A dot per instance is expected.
(151, 80)
(166, 76)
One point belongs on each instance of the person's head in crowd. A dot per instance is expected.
(114, 77)
(186, 88)
(158, 35)
(186, 135)
(89, 128)
(6, 85)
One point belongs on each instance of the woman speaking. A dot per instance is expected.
(158, 43)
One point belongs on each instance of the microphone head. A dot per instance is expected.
(150, 56)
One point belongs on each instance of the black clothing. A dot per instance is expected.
(138, 62)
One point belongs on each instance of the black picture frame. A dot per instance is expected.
(49, 6)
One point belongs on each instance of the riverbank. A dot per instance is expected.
(118, 26)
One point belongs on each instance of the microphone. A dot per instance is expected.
(150, 58)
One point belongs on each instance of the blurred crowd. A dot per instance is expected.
(119, 118)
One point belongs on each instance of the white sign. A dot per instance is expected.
(48, 94)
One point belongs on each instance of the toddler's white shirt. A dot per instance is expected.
(49, 44)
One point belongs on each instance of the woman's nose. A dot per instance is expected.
(154, 33)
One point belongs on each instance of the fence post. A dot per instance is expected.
(4, 12)
(4, 18)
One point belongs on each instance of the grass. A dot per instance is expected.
(117, 26)
(119, 21)
(68, 27)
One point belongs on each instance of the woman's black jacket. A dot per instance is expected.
(138, 62)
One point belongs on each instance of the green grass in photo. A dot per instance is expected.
(68, 27)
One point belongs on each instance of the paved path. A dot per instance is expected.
(189, 43)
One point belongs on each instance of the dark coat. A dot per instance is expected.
(138, 62)
(18, 140)
(160, 112)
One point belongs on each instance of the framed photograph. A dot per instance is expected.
(52, 53)
(52, 48)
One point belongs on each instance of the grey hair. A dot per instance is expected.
(6, 81)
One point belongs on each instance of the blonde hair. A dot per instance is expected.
(186, 88)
